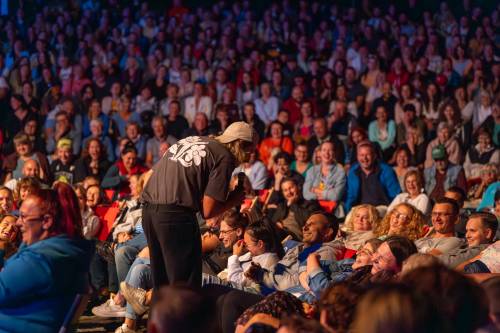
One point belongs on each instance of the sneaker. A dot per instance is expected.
(109, 309)
(124, 329)
(135, 297)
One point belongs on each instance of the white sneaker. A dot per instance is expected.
(109, 309)
(135, 297)
(124, 329)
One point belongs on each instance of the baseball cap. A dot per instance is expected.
(238, 130)
(439, 153)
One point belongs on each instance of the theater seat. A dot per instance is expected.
(107, 215)
(263, 194)
(328, 206)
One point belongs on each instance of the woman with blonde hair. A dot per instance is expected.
(403, 220)
(358, 227)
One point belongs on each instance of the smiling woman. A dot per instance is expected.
(40, 281)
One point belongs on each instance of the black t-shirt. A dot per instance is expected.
(193, 167)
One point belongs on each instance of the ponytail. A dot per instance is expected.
(264, 230)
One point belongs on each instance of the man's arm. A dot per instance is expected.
(213, 208)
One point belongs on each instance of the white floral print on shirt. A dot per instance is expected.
(188, 151)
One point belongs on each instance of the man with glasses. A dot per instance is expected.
(441, 238)
(443, 175)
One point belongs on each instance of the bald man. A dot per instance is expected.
(31, 168)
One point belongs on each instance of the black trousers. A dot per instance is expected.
(174, 242)
(230, 304)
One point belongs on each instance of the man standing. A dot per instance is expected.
(193, 176)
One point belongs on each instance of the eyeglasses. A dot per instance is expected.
(401, 217)
(26, 218)
(226, 232)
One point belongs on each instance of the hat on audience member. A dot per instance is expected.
(64, 143)
(238, 130)
(439, 153)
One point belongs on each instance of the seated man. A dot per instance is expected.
(292, 212)
(481, 229)
(370, 181)
(442, 175)
(318, 236)
(31, 168)
(457, 193)
(441, 238)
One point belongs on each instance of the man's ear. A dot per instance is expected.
(489, 234)
(328, 235)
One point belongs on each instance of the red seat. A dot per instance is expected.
(109, 194)
(107, 215)
(263, 194)
(328, 206)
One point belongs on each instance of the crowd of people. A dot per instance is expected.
(371, 201)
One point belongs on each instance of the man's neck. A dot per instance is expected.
(368, 171)
(443, 235)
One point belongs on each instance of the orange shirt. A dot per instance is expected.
(267, 145)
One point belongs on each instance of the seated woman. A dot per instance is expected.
(413, 193)
(117, 177)
(326, 181)
(6, 200)
(401, 164)
(263, 249)
(383, 131)
(93, 161)
(25, 187)
(90, 222)
(9, 236)
(128, 241)
(358, 228)
(302, 162)
(231, 230)
(391, 254)
(484, 152)
(488, 174)
(13, 163)
(275, 140)
(320, 275)
(255, 170)
(293, 211)
(53, 260)
(137, 281)
(403, 220)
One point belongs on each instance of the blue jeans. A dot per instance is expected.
(125, 254)
(139, 276)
